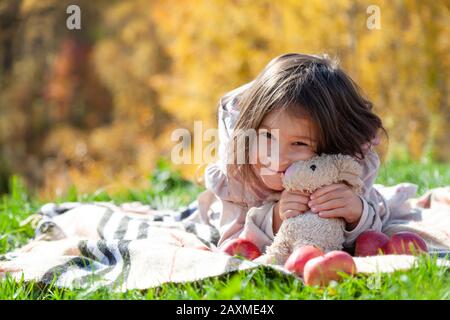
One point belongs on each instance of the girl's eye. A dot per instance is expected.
(267, 134)
(299, 143)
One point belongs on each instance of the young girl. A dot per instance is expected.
(317, 108)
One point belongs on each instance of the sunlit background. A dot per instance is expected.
(95, 107)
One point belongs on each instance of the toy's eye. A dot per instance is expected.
(313, 167)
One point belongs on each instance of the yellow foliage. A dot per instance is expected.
(166, 63)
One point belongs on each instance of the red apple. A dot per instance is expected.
(370, 243)
(241, 247)
(297, 260)
(321, 270)
(406, 243)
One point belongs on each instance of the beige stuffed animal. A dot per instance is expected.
(309, 228)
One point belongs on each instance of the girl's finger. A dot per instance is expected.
(336, 213)
(296, 198)
(329, 205)
(335, 194)
(321, 191)
(290, 213)
(303, 208)
(303, 193)
(294, 207)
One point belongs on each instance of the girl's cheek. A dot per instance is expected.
(304, 155)
(273, 182)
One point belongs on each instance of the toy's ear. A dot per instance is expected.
(350, 171)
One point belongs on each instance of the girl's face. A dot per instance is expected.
(295, 139)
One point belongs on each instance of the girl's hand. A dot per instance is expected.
(337, 201)
(291, 204)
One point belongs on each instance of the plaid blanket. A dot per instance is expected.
(81, 245)
(133, 246)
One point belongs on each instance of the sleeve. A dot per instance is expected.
(254, 224)
(375, 209)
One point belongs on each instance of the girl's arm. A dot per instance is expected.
(253, 224)
(236, 218)
(375, 209)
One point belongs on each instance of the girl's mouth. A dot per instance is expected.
(271, 170)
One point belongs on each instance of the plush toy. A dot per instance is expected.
(308, 228)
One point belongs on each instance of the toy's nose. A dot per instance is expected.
(313, 167)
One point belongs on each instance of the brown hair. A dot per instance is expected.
(311, 84)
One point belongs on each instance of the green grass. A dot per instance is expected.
(168, 190)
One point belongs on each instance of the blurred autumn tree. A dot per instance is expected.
(95, 107)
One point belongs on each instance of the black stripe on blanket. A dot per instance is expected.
(444, 254)
(60, 210)
(53, 209)
(143, 230)
(120, 252)
(94, 279)
(83, 247)
(189, 210)
(212, 236)
(54, 273)
(122, 229)
(103, 248)
(118, 257)
(126, 263)
(101, 226)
